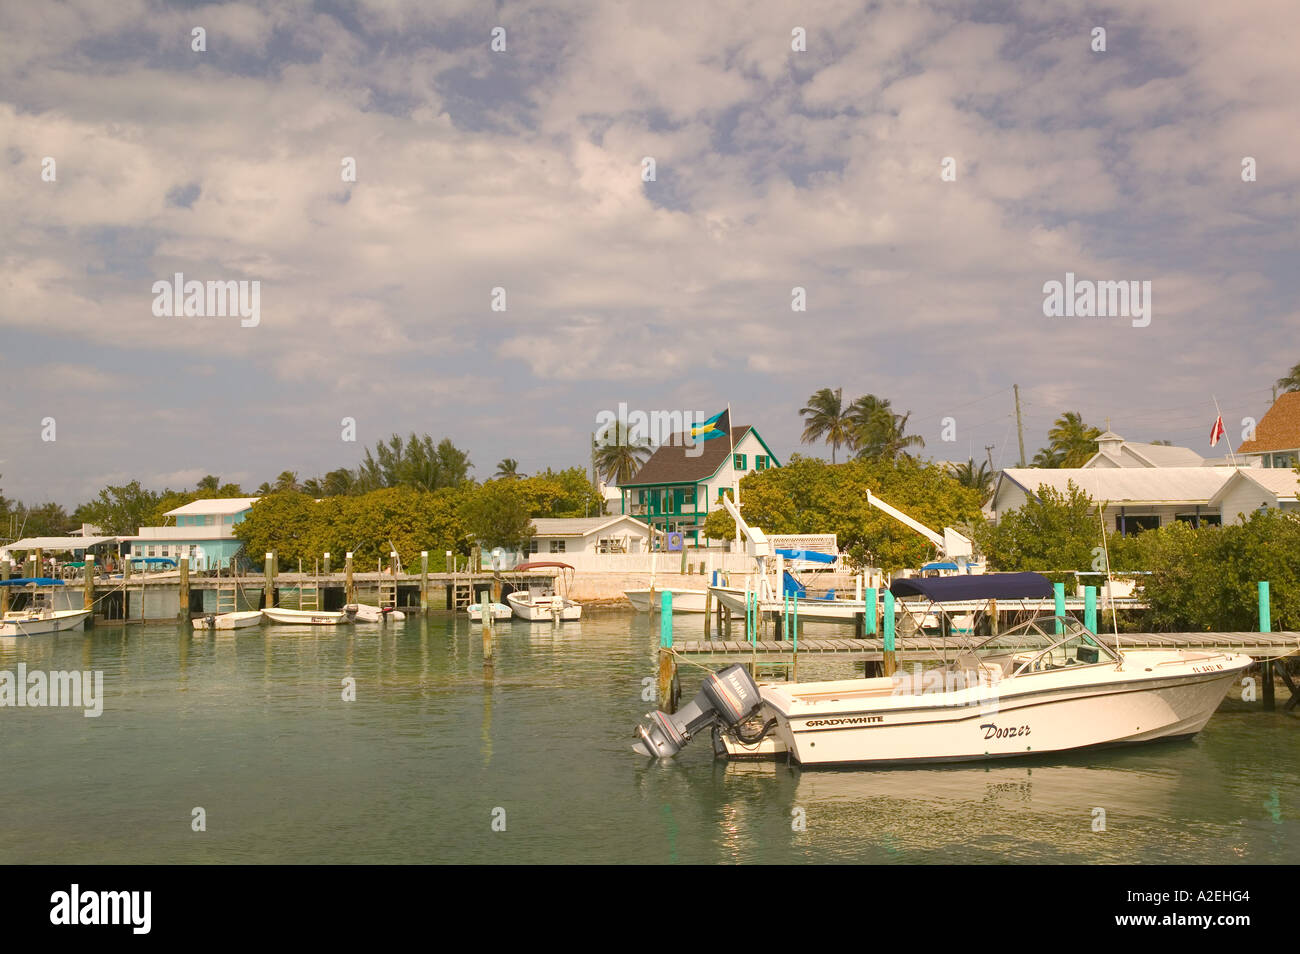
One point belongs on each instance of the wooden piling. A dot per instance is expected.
(424, 582)
(268, 587)
(349, 586)
(667, 662)
(4, 590)
(183, 602)
(889, 663)
(708, 611)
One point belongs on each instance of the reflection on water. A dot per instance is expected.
(252, 726)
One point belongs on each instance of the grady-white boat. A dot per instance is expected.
(311, 617)
(41, 616)
(498, 610)
(538, 600)
(1047, 685)
(240, 620)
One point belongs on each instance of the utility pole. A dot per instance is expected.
(1020, 427)
(988, 450)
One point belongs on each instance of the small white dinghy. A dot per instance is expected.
(499, 611)
(311, 617)
(377, 614)
(240, 620)
(41, 616)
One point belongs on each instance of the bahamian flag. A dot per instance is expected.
(719, 425)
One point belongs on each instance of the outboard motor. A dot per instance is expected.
(728, 697)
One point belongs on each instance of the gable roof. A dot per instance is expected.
(579, 526)
(1278, 429)
(677, 463)
(215, 506)
(1149, 455)
(1125, 485)
(1282, 482)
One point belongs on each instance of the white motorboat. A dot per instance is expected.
(311, 617)
(539, 600)
(41, 616)
(498, 610)
(1047, 685)
(684, 600)
(240, 620)
(365, 613)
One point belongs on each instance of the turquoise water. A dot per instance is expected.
(251, 727)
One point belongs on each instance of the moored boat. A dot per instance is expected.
(684, 600)
(1047, 685)
(366, 613)
(240, 620)
(41, 616)
(292, 617)
(498, 610)
(540, 600)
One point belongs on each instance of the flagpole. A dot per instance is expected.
(1219, 416)
(735, 481)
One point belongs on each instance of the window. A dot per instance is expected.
(738, 462)
(760, 462)
(1127, 525)
(723, 492)
(688, 496)
(532, 545)
(557, 546)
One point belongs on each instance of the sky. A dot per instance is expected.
(523, 169)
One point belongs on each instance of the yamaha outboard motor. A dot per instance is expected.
(728, 697)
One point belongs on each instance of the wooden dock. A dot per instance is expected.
(923, 648)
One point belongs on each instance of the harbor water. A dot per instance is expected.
(436, 760)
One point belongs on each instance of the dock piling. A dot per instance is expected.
(667, 663)
(268, 587)
(1090, 608)
(1266, 666)
(1058, 592)
(349, 587)
(889, 660)
(4, 590)
(88, 599)
(424, 582)
(183, 603)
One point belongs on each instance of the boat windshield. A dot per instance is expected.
(1040, 645)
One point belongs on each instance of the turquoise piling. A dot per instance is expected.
(667, 662)
(870, 597)
(1058, 590)
(889, 661)
(1090, 608)
(666, 619)
(1266, 665)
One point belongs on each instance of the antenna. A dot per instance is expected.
(1110, 589)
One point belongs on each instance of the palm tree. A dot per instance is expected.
(826, 418)
(878, 432)
(617, 458)
(313, 487)
(339, 482)
(209, 484)
(1072, 441)
(287, 482)
(968, 475)
(1291, 381)
(508, 469)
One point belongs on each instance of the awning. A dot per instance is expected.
(32, 581)
(812, 556)
(979, 586)
(58, 543)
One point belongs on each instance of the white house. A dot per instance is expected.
(1136, 498)
(204, 531)
(1257, 488)
(564, 537)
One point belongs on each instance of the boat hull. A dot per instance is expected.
(241, 620)
(307, 617)
(684, 601)
(376, 614)
(543, 610)
(1000, 722)
(17, 624)
(499, 611)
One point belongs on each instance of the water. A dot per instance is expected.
(251, 727)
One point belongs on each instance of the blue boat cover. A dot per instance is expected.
(978, 586)
(812, 556)
(31, 581)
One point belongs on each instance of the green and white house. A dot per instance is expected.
(681, 483)
(203, 530)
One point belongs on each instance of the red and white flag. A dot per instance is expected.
(1216, 432)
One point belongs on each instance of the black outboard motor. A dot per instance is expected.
(729, 697)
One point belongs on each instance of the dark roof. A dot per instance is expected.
(1278, 429)
(676, 463)
(977, 586)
